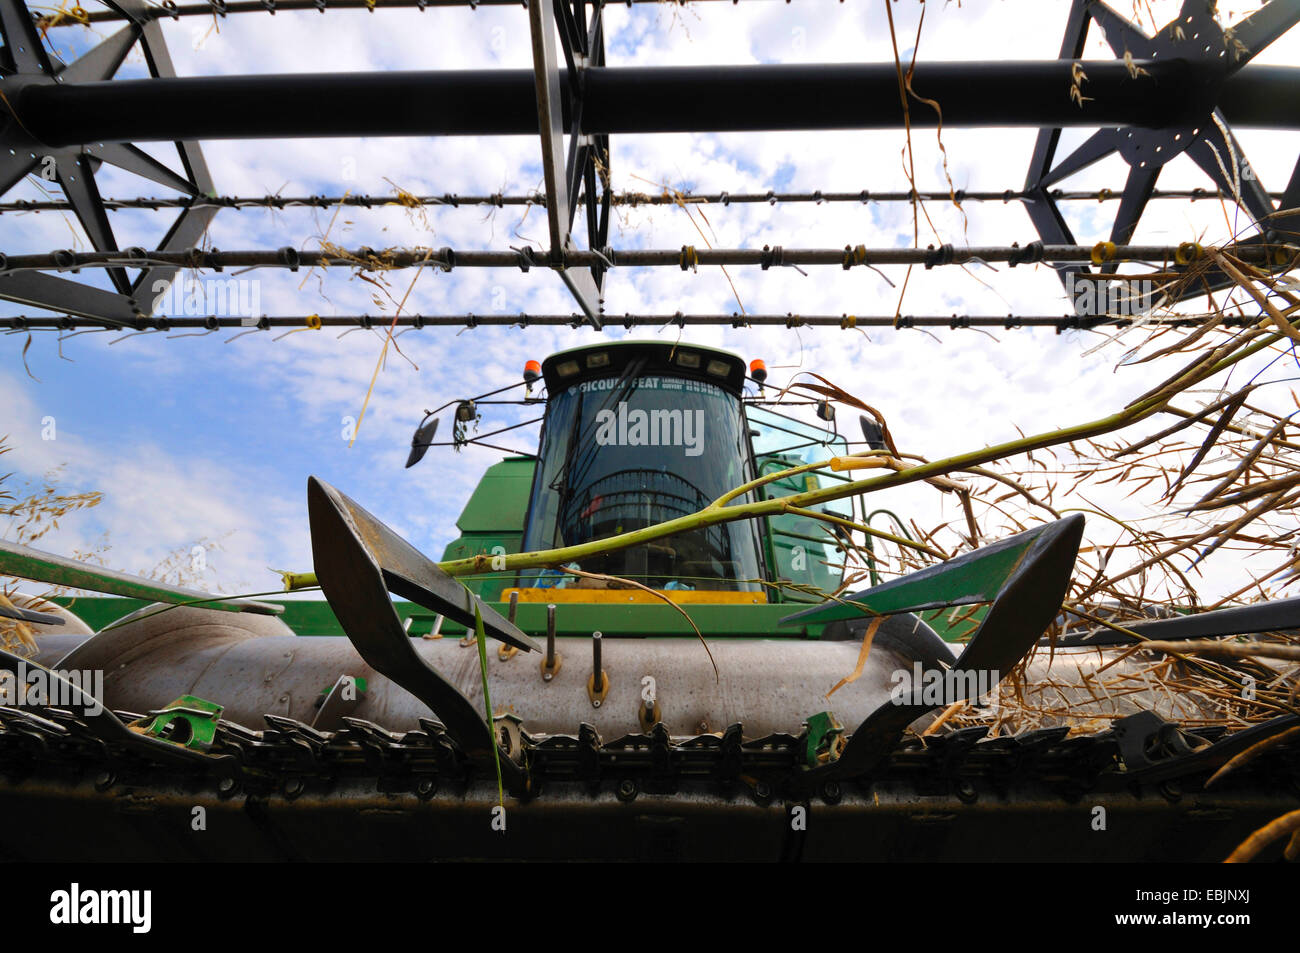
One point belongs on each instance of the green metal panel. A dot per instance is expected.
(485, 544)
(99, 611)
(969, 579)
(492, 522)
(500, 501)
(311, 617)
(953, 623)
(27, 563)
(314, 617)
(754, 621)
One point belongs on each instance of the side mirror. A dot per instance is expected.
(871, 433)
(420, 442)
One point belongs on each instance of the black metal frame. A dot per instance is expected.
(582, 42)
(26, 66)
(625, 199)
(1196, 39)
(1164, 95)
(201, 326)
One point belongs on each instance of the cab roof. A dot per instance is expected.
(611, 359)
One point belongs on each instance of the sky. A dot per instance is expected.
(210, 439)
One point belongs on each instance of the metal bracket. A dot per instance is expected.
(189, 721)
(824, 742)
(1146, 739)
(597, 696)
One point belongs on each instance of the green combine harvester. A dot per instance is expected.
(658, 673)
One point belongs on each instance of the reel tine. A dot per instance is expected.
(1025, 603)
(409, 573)
(356, 583)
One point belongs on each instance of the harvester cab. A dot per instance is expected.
(636, 434)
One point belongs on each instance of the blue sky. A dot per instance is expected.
(193, 438)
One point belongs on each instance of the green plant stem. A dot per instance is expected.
(862, 528)
(487, 700)
(717, 513)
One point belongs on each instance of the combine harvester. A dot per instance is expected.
(684, 668)
(617, 733)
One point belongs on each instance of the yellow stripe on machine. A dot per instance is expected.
(625, 596)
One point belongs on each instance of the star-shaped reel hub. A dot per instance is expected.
(24, 61)
(1209, 55)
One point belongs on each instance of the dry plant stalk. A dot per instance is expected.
(1219, 483)
(34, 514)
(1284, 826)
(30, 518)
